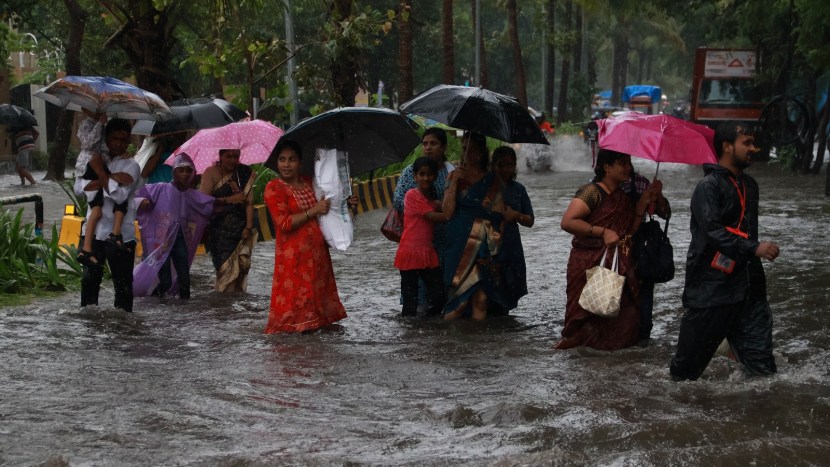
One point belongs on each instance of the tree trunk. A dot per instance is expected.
(448, 42)
(620, 68)
(641, 64)
(63, 132)
(550, 53)
(344, 69)
(482, 79)
(518, 66)
(564, 80)
(404, 51)
(147, 37)
(577, 47)
(822, 139)
(592, 66)
(615, 72)
(810, 102)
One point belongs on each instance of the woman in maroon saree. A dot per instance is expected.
(602, 216)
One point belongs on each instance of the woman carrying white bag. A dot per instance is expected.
(601, 216)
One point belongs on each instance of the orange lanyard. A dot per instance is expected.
(742, 197)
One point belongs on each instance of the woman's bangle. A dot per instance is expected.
(307, 217)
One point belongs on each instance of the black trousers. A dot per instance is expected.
(435, 290)
(747, 326)
(178, 257)
(120, 261)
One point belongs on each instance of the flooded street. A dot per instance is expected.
(197, 383)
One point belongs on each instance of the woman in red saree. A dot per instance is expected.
(602, 216)
(304, 294)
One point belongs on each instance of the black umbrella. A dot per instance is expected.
(478, 110)
(192, 114)
(16, 117)
(373, 137)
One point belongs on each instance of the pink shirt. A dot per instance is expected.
(415, 250)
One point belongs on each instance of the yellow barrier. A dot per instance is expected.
(373, 194)
(376, 193)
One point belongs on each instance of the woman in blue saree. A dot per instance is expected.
(473, 235)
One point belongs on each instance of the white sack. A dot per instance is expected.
(332, 181)
(147, 149)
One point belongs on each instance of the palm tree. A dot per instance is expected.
(447, 40)
(404, 50)
(63, 131)
(518, 66)
(550, 55)
(564, 80)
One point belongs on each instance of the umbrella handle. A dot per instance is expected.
(658, 170)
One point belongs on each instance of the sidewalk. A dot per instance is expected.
(54, 199)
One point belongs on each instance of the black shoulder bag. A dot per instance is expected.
(653, 253)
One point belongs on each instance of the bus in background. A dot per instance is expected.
(723, 87)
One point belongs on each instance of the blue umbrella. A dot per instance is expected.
(102, 94)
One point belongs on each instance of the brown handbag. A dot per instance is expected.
(392, 227)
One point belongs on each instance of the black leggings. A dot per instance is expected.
(435, 290)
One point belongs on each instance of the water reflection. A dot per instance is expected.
(196, 382)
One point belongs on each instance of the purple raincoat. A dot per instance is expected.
(170, 210)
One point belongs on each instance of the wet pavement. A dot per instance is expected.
(196, 382)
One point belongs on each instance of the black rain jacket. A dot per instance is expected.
(716, 205)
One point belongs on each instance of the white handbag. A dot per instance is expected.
(603, 290)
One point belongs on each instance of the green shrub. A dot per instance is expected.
(29, 261)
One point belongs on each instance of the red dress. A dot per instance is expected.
(303, 294)
(415, 251)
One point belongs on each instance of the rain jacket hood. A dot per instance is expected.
(716, 205)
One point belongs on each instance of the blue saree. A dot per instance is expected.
(473, 241)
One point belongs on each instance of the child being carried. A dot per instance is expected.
(91, 165)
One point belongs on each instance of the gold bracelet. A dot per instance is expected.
(307, 217)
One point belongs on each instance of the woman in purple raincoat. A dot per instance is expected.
(172, 218)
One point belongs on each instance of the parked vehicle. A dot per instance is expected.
(723, 87)
(643, 98)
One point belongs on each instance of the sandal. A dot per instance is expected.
(116, 241)
(87, 258)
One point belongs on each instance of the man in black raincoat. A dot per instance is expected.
(725, 293)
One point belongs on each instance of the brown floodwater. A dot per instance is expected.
(197, 382)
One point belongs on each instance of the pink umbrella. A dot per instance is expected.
(661, 138)
(255, 140)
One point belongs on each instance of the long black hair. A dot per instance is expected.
(500, 153)
(605, 156)
(284, 143)
(424, 162)
(481, 141)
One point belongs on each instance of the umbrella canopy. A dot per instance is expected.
(255, 140)
(102, 94)
(16, 117)
(661, 138)
(373, 137)
(479, 110)
(192, 114)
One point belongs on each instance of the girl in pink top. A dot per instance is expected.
(416, 257)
